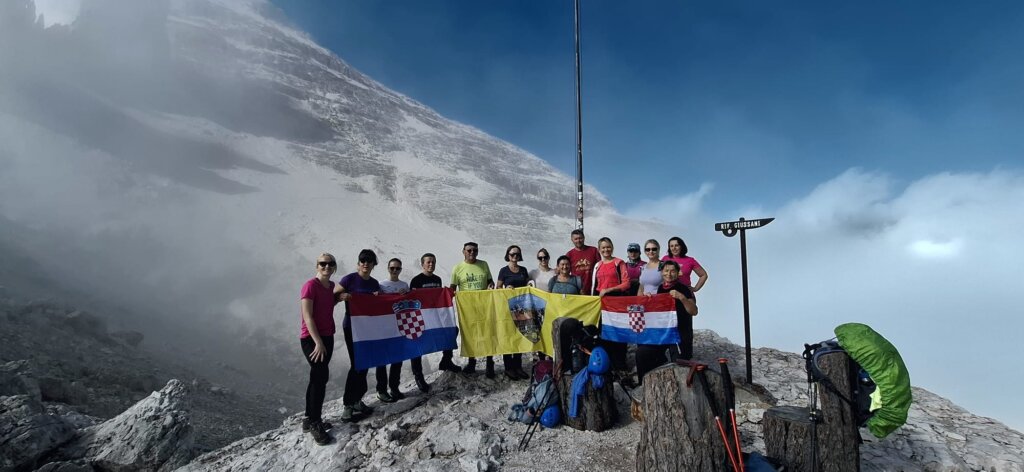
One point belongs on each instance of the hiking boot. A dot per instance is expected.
(397, 394)
(306, 425)
(521, 373)
(361, 408)
(470, 368)
(490, 368)
(385, 398)
(319, 433)
(447, 365)
(422, 384)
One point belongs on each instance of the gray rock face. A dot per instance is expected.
(27, 432)
(436, 432)
(155, 434)
(461, 425)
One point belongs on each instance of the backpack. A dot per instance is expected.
(882, 392)
(540, 394)
(863, 386)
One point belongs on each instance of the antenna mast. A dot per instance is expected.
(579, 129)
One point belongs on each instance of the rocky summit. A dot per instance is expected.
(461, 425)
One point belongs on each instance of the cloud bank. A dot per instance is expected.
(932, 264)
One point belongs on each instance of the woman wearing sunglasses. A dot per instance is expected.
(359, 281)
(542, 275)
(650, 276)
(513, 276)
(385, 380)
(316, 304)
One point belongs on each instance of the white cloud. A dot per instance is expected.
(937, 250)
(672, 208)
(933, 265)
(61, 12)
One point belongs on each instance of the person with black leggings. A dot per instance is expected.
(317, 340)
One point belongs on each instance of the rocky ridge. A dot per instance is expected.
(462, 426)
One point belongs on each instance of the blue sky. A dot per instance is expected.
(888, 139)
(762, 101)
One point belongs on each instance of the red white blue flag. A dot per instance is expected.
(394, 328)
(640, 320)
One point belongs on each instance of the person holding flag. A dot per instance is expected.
(427, 279)
(384, 380)
(359, 281)
(686, 307)
(473, 274)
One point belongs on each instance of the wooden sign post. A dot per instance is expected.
(729, 229)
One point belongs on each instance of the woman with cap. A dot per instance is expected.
(634, 266)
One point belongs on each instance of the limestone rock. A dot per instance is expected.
(155, 434)
(27, 432)
(17, 378)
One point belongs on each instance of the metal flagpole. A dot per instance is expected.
(579, 129)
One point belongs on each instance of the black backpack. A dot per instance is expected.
(863, 386)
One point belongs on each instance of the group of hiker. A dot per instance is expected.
(582, 270)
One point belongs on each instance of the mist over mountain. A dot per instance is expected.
(181, 163)
(190, 146)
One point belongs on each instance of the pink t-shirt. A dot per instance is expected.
(323, 307)
(686, 266)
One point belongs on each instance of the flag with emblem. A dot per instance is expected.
(394, 328)
(512, 320)
(639, 320)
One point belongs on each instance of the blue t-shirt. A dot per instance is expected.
(514, 279)
(353, 283)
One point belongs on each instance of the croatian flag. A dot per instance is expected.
(640, 320)
(394, 328)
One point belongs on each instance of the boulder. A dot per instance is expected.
(28, 433)
(155, 434)
(17, 378)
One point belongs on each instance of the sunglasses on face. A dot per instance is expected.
(471, 250)
(543, 258)
(327, 263)
(650, 249)
(395, 269)
(514, 254)
(366, 261)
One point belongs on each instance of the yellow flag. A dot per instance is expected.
(507, 321)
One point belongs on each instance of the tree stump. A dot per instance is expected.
(597, 410)
(679, 431)
(787, 429)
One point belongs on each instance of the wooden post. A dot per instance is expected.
(679, 430)
(598, 411)
(787, 429)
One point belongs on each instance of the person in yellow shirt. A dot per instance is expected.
(473, 274)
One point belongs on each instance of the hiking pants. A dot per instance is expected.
(355, 382)
(384, 380)
(649, 356)
(417, 362)
(318, 374)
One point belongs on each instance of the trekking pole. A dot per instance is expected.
(532, 427)
(714, 410)
(730, 401)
